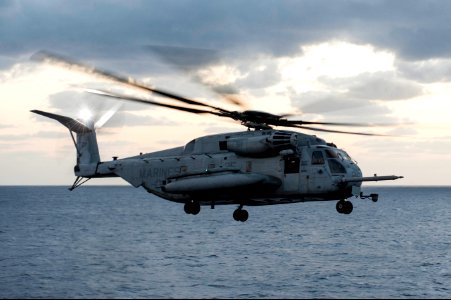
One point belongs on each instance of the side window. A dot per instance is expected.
(317, 158)
(291, 165)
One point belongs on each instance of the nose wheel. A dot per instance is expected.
(344, 207)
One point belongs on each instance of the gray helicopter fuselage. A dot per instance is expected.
(254, 167)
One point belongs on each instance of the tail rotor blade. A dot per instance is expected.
(107, 116)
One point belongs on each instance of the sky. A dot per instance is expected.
(379, 62)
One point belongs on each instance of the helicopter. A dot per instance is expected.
(262, 165)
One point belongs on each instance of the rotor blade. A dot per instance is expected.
(337, 131)
(333, 123)
(190, 60)
(73, 65)
(145, 101)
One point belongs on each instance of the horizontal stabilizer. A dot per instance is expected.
(70, 123)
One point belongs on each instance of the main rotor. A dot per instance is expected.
(257, 120)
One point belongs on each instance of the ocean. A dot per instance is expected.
(121, 242)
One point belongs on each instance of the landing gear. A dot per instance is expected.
(78, 181)
(373, 197)
(240, 214)
(344, 207)
(192, 207)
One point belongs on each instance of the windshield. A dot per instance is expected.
(335, 166)
(338, 154)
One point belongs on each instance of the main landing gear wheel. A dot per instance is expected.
(344, 207)
(192, 207)
(240, 215)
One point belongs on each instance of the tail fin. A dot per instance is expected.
(88, 156)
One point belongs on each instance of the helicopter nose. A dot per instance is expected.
(355, 171)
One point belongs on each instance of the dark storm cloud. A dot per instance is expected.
(113, 29)
(185, 58)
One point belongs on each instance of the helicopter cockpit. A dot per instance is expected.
(338, 161)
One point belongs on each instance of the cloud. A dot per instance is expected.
(338, 107)
(376, 86)
(406, 145)
(383, 86)
(185, 58)
(123, 119)
(3, 126)
(7, 62)
(260, 73)
(39, 134)
(321, 102)
(413, 29)
(358, 98)
(426, 71)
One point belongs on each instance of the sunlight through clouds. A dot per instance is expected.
(346, 61)
(334, 59)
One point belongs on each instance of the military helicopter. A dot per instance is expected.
(259, 166)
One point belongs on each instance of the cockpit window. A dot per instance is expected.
(346, 155)
(331, 153)
(338, 153)
(335, 166)
(317, 158)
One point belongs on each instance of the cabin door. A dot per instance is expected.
(317, 177)
(291, 173)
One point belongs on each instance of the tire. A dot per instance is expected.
(348, 207)
(237, 215)
(195, 207)
(244, 215)
(187, 208)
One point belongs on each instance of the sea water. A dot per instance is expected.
(121, 242)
